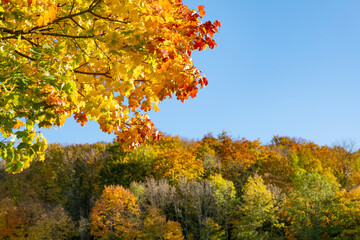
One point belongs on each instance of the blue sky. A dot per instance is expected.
(281, 67)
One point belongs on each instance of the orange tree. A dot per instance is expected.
(115, 214)
(103, 60)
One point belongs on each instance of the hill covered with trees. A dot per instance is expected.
(214, 188)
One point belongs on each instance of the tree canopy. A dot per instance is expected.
(103, 60)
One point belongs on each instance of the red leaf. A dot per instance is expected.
(217, 24)
(199, 44)
(211, 43)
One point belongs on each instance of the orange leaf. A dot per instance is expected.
(18, 124)
(201, 10)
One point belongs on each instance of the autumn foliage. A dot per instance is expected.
(114, 214)
(214, 188)
(103, 60)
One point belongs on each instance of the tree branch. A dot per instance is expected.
(25, 56)
(107, 18)
(78, 24)
(93, 73)
(67, 36)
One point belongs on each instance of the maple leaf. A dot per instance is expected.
(18, 124)
(155, 107)
(80, 118)
(201, 10)
(217, 24)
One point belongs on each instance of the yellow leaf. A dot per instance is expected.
(40, 21)
(155, 107)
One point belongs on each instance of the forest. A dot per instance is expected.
(114, 62)
(218, 187)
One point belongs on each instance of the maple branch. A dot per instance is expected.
(69, 16)
(72, 7)
(93, 73)
(107, 18)
(29, 41)
(57, 20)
(94, 3)
(76, 44)
(81, 94)
(85, 63)
(67, 36)
(78, 24)
(25, 56)
(22, 37)
(17, 32)
(98, 46)
(46, 29)
(7, 30)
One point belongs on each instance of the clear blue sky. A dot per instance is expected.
(281, 67)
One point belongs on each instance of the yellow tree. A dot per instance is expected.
(114, 214)
(103, 60)
(174, 161)
(155, 226)
(258, 210)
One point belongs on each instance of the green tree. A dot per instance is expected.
(308, 205)
(54, 224)
(257, 211)
(122, 168)
(224, 193)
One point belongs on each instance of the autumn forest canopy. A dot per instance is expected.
(214, 188)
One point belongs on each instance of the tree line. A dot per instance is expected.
(213, 188)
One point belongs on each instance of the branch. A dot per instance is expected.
(93, 73)
(93, 4)
(76, 44)
(98, 46)
(72, 7)
(142, 80)
(29, 41)
(78, 24)
(107, 18)
(25, 56)
(81, 94)
(22, 37)
(6, 30)
(57, 20)
(91, 7)
(67, 36)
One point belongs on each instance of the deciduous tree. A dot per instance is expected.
(258, 210)
(103, 60)
(114, 214)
